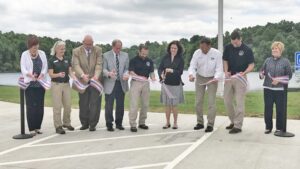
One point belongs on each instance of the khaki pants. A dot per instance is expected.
(200, 92)
(235, 89)
(138, 90)
(61, 97)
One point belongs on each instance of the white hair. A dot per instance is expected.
(57, 43)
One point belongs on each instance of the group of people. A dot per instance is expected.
(113, 69)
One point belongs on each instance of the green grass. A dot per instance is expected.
(254, 102)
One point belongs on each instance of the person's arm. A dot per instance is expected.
(160, 70)
(99, 63)
(76, 65)
(249, 69)
(225, 62)
(192, 68)
(152, 74)
(219, 67)
(125, 73)
(179, 69)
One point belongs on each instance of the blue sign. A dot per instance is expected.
(297, 59)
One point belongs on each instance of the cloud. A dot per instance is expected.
(136, 21)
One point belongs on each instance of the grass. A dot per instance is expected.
(254, 102)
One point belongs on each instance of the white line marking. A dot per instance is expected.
(95, 154)
(145, 166)
(183, 155)
(110, 138)
(28, 144)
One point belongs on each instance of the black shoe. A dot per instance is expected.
(110, 129)
(209, 129)
(143, 126)
(235, 130)
(166, 126)
(71, 128)
(133, 129)
(198, 126)
(92, 129)
(175, 127)
(120, 127)
(268, 131)
(60, 130)
(230, 126)
(84, 127)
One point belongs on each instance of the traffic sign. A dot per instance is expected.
(297, 59)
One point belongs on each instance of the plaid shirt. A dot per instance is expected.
(276, 67)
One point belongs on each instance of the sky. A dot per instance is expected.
(136, 21)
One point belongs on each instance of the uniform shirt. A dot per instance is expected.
(59, 66)
(207, 65)
(238, 58)
(141, 67)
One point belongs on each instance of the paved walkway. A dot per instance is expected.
(155, 148)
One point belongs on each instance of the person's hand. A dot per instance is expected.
(41, 76)
(275, 82)
(112, 74)
(85, 78)
(61, 74)
(227, 74)
(31, 76)
(191, 78)
(243, 74)
(96, 78)
(214, 80)
(125, 77)
(163, 75)
(169, 70)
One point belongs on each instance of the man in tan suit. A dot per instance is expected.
(87, 64)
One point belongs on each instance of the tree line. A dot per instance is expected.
(259, 38)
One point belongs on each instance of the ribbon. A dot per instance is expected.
(97, 85)
(280, 79)
(44, 83)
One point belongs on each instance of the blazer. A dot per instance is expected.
(109, 64)
(27, 65)
(81, 65)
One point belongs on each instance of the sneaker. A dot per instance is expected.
(33, 133)
(38, 131)
(60, 130)
(71, 128)
(143, 126)
(209, 129)
(235, 130)
(133, 129)
(230, 126)
(198, 126)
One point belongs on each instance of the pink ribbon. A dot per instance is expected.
(280, 79)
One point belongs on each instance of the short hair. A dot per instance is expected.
(142, 46)
(114, 42)
(279, 45)
(236, 34)
(205, 40)
(32, 40)
(179, 46)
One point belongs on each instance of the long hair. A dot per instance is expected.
(57, 43)
(179, 46)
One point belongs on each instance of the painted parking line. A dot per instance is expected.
(110, 138)
(146, 166)
(29, 144)
(95, 153)
(189, 150)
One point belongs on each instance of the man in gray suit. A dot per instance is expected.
(115, 78)
(87, 64)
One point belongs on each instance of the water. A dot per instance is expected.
(255, 83)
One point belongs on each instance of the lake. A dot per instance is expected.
(254, 82)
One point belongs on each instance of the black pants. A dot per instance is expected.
(119, 95)
(279, 98)
(34, 107)
(89, 107)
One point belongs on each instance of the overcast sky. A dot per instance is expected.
(135, 21)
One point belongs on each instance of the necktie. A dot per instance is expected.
(117, 65)
(89, 55)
